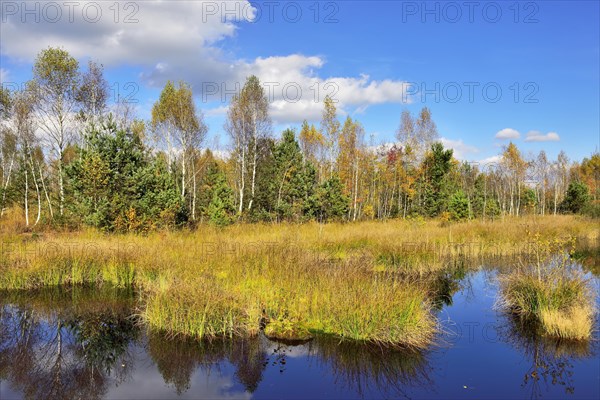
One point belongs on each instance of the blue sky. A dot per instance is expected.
(382, 56)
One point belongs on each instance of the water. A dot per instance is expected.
(88, 344)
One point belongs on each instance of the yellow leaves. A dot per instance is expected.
(369, 211)
(175, 108)
(512, 158)
(311, 141)
(96, 170)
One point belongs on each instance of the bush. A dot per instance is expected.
(591, 210)
(562, 303)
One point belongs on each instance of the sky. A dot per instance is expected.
(491, 72)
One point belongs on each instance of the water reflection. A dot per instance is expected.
(370, 368)
(55, 344)
(178, 359)
(551, 361)
(84, 343)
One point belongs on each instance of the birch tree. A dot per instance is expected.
(350, 147)
(311, 143)
(330, 128)
(93, 93)
(177, 119)
(542, 166)
(25, 127)
(55, 84)
(417, 136)
(247, 123)
(7, 144)
(561, 172)
(515, 167)
(236, 128)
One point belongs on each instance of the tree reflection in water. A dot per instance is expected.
(80, 342)
(65, 343)
(552, 360)
(178, 358)
(368, 367)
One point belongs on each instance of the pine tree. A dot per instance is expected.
(576, 198)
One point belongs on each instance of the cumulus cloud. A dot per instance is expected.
(136, 33)
(183, 40)
(461, 150)
(537, 136)
(3, 75)
(489, 162)
(217, 111)
(291, 82)
(508, 133)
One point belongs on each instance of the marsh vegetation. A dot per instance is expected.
(376, 282)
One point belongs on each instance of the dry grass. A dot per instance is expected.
(575, 323)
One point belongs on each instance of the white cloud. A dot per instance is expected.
(537, 136)
(181, 41)
(461, 150)
(217, 111)
(294, 89)
(3, 75)
(137, 34)
(508, 133)
(489, 162)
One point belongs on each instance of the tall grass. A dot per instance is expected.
(366, 281)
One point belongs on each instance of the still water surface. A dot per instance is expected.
(87, 344)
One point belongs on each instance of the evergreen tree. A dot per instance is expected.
(328, 202)
(576, 198)
(434, 182)
(295, 180)
(458, 206)
(118, 187)
(221, 209)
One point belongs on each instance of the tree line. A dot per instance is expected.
(68, 159)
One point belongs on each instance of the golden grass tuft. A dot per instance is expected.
(576, 323)
(552, 291)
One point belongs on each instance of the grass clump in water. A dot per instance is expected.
(552, 292)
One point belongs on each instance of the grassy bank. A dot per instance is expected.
(368, 281)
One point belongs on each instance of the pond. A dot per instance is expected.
(88, 343)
